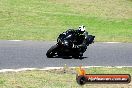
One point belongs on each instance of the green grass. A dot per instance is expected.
(108, 20)
(57, 78)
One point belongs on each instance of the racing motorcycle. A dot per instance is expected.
(65, 46)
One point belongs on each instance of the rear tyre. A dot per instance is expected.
(77, 56)
(51, 52)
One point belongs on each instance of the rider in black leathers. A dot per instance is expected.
(80, 38)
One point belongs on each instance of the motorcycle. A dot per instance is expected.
(65, 46)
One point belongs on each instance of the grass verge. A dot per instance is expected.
(59, 78)
(108, 20)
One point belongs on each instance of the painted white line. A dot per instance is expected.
(51, 68)
(15, 40)
(17, 70)
(112, 42)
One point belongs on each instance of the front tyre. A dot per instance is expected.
(51, 52)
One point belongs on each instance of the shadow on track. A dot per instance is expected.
(68, 57)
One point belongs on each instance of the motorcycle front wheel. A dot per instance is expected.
(51, 52)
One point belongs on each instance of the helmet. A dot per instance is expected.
(81, 28)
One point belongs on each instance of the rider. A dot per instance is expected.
(80, 38)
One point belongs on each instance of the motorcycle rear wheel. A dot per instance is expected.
(77, 56)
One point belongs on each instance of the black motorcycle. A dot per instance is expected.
(64, 46)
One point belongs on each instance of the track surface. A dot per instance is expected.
(31, 54)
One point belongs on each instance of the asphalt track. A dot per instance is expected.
(31, 54)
